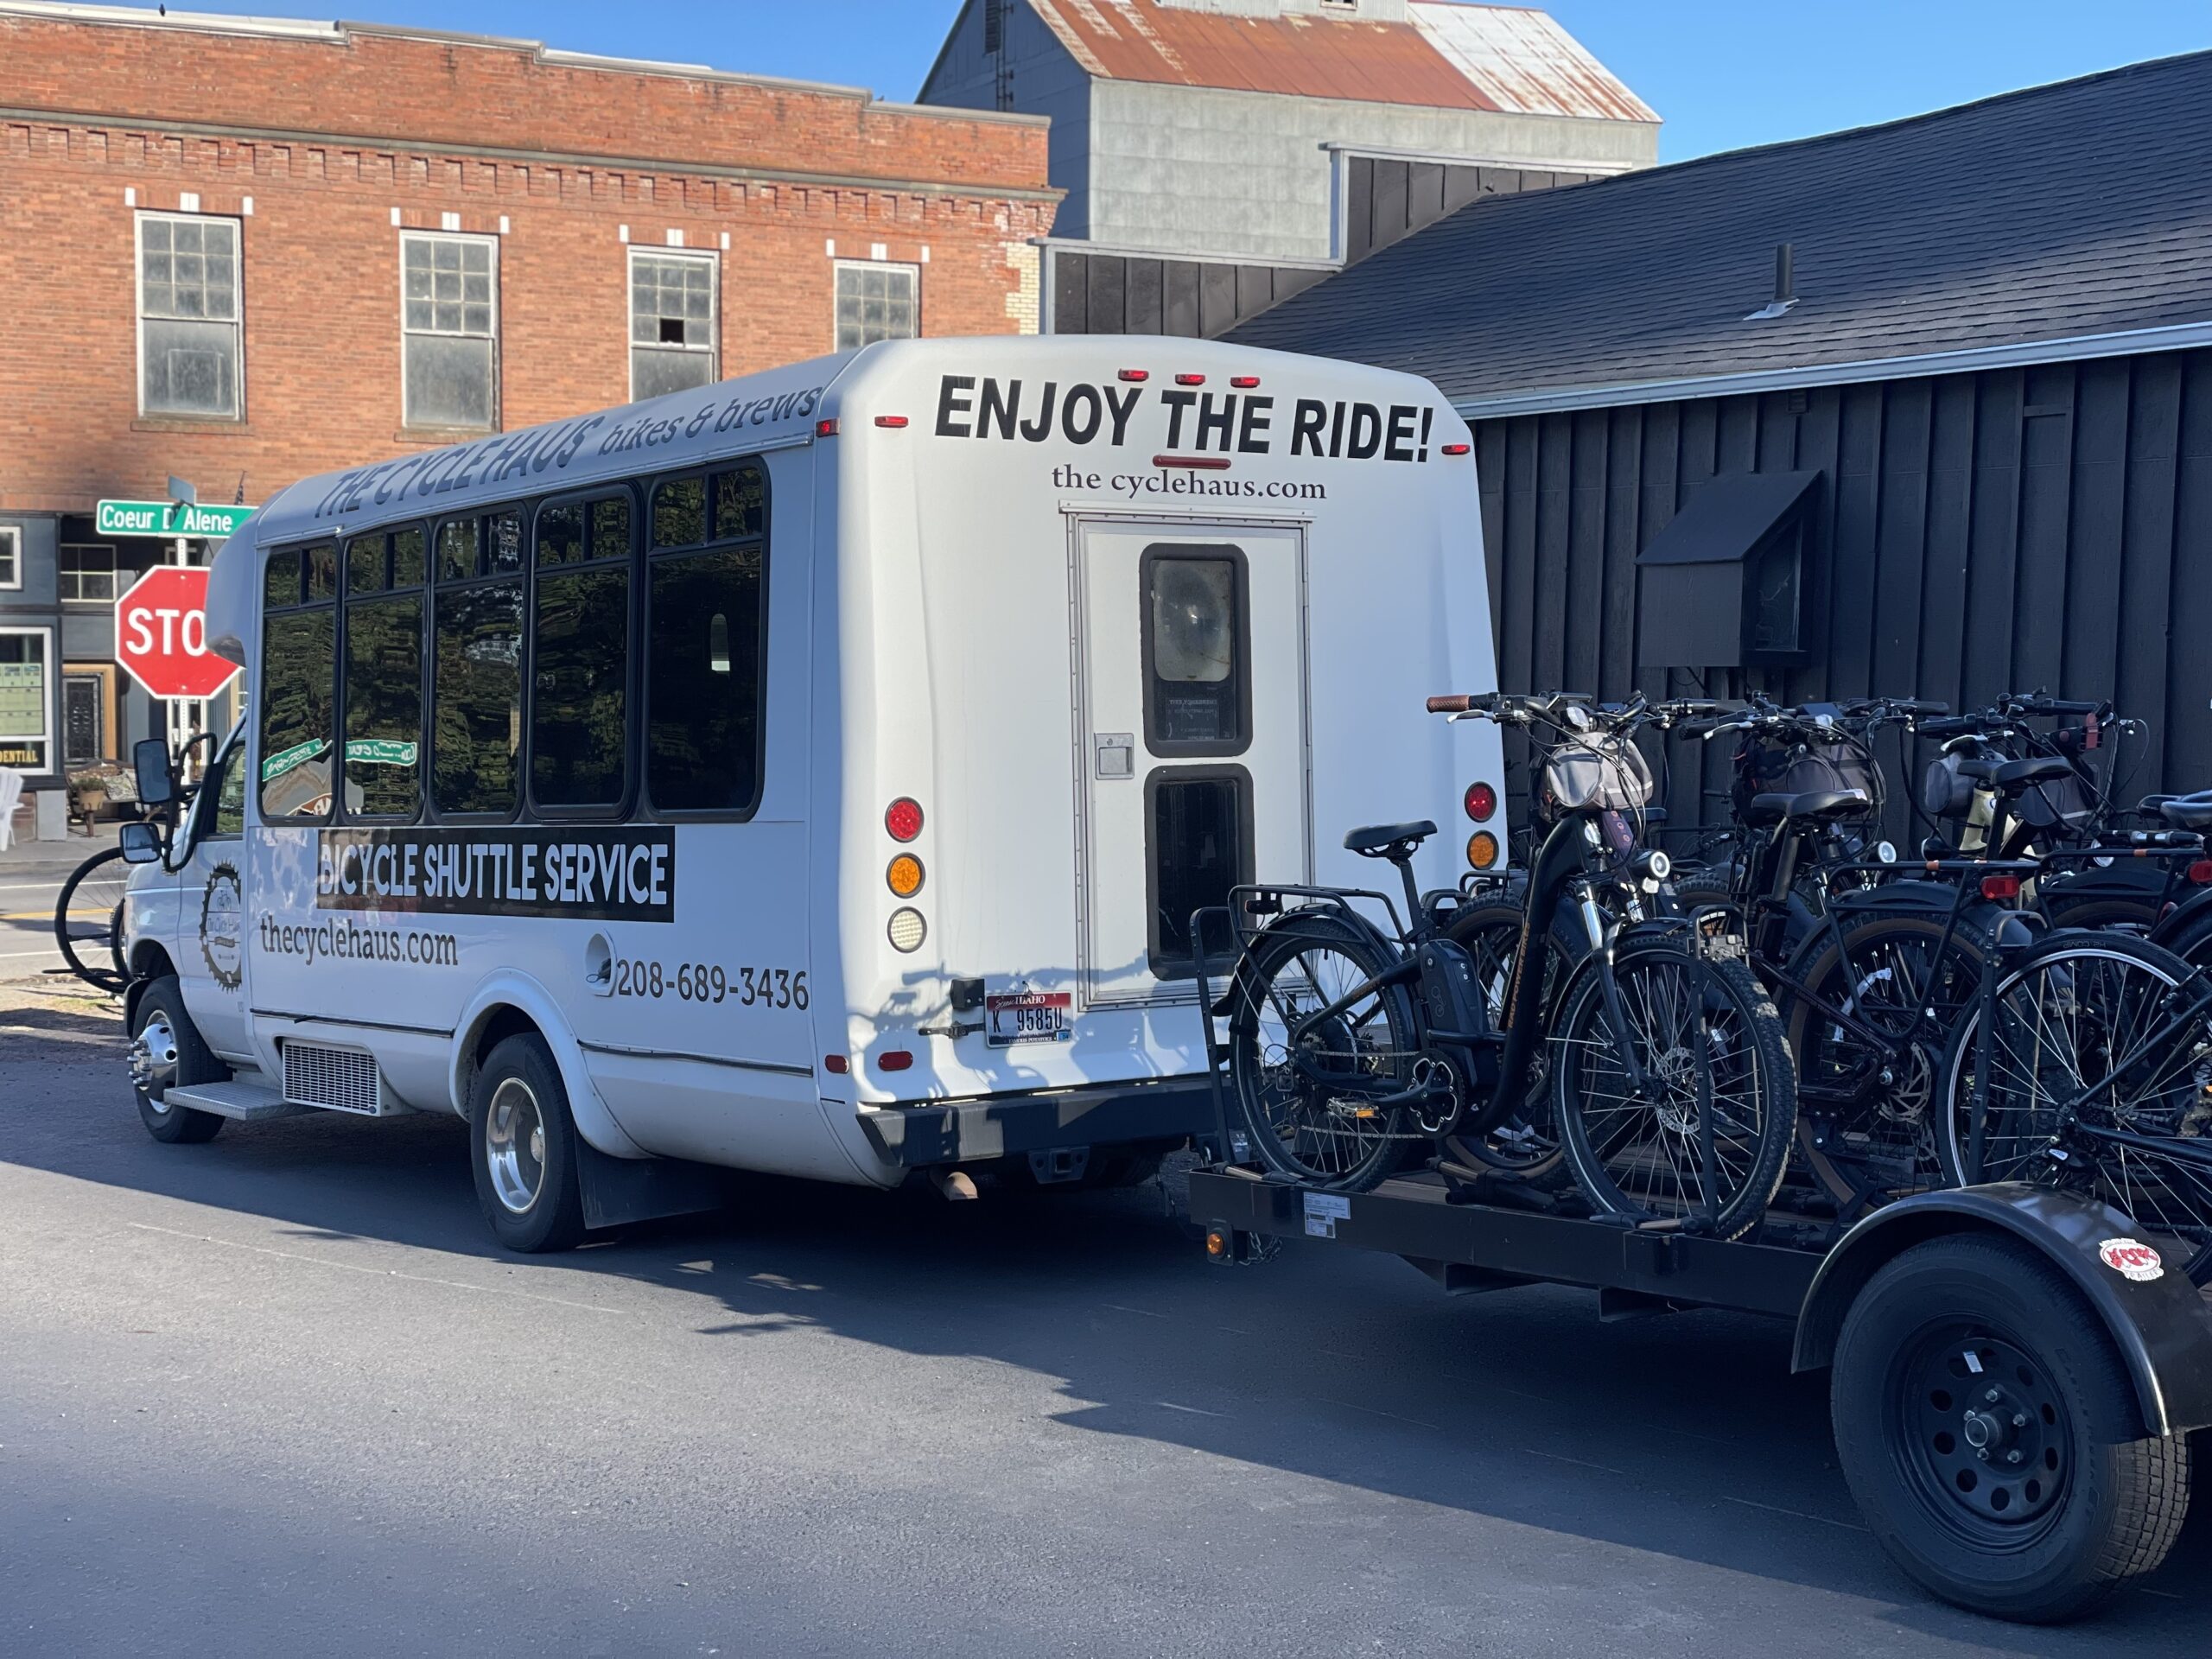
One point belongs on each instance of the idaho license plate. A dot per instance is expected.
(1028, 1017)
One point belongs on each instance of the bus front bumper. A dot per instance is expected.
(1001, 1126)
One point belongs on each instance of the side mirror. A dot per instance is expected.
(141, 842)
(150, 759)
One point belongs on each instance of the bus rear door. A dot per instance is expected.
(1193, 763)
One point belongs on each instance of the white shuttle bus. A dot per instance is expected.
(814, 773)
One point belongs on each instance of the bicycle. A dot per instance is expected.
(88, 920)
(1347, 1041)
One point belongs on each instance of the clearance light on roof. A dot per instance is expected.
(1190, 379)
(894, 422)
(825, 428)
(1136, 376)
(1459, 448)
(1244, 382)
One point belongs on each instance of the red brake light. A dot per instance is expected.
(1482, 801)
(825, 428)
(2201, 872)
(1243, 382)
(894, 1059)
(1136, 374)
(1190, 379)
(892, 420)
(902, 819)
(2002, 888)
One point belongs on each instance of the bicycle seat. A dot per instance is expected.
(2186, 814)
(1377, 840)
(1815, 803)
(2015, 777)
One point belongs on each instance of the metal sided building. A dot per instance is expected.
(1956, 440)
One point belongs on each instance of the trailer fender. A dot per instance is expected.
(2162, 1326)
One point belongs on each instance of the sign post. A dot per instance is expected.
(161, 635)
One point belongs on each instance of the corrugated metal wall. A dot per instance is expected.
(2046, 528)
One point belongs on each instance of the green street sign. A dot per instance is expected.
(169, 518)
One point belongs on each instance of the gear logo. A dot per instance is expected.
(222, 927)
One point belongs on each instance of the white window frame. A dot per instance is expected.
(11, 549)
(839, 267)
(406, 417)
(45, 739)
(114, 553)
(713, 350)
(237, 317)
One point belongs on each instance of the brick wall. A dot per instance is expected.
(337, 135)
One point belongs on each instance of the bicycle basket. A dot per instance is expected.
(1597, 771)
(1804, 765)
(1946, 787)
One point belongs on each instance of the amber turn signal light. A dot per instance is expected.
(904, 875)
(1482, 851)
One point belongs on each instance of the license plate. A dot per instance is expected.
(1028, 1017)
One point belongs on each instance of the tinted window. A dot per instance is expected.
(702, 741)
(476, 741)
(298, 655)
(1194, 649)
(384, 707)
(1200, 847)
(579, 741)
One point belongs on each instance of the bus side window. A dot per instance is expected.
(476, 675)
(299, 664)
(580, 655)
(706, 648)
(384, 674)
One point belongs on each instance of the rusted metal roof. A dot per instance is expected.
(1449, 56)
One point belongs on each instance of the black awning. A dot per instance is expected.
(1724, 584)
(1728, 518)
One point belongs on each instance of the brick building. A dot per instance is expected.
(241, 250)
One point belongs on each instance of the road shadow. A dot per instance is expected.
(1683, 1436)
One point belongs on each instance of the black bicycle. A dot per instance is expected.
(1351, 1040)
(88, 920)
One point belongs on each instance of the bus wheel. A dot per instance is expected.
(1991, 1438)
(166, 1052)
(522, 1149)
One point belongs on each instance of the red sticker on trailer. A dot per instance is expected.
(2132, 1259)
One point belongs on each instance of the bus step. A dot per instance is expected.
(247, 1102)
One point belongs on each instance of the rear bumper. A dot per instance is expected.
(999, 1126)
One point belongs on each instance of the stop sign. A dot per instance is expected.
(161, 634)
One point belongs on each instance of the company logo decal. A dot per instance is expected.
(2131, 1259)
(619, 876)
(222, 926)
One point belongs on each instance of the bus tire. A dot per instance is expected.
(522, 1149)
(1968, 1341)
(167, 1051)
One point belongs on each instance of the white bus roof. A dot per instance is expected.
(772, 409)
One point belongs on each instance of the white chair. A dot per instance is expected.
(12, 790)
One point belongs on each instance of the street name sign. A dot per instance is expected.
(169, 518)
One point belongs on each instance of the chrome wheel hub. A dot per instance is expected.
(514, 1145)
(154, 1059)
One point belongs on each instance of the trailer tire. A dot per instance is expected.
(168, 1052)
(1971, 1340)
(524, 1150)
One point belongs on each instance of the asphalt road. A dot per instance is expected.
(277, 1394)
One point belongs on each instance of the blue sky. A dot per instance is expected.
(1723, 73)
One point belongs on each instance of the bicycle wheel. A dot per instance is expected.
(1640, 1153)
(1524, 1145)
(1866, 1113)
(88, 919)
(1307, 1088)
(2067, 1022)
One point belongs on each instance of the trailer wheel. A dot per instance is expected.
(523, 1151)
(1991, 1438)
(167, 1052)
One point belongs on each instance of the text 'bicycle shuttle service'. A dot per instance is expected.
(623, 876)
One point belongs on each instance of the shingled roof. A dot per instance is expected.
(2081, 209)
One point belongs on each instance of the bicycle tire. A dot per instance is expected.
(1620, 1171)
(1311, 1136)
(1874, 1129)
(111, 976)
(2082, 971)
